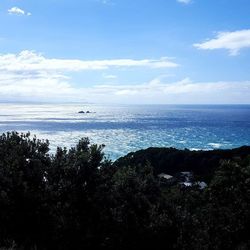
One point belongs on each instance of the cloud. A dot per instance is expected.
(184, 91)
(184, 1)
(57, 88)
(27, 61)
(18, 11)
(111, 77)
(29, 76)
(231, 41)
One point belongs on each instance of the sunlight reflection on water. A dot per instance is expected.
(129, 128)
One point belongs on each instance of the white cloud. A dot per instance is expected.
(51, 88)
(30, 61)
(31, 77)
(232, 41)
(184, 91)
(111, 77)
(18, 11)
(184, 1)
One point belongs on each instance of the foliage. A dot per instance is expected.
(170, 160)
(77, 199)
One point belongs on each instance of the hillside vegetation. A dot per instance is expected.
(77, 199)
(203, 164)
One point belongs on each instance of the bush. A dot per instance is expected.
(77, 199)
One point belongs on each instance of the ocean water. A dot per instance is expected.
(126, 128)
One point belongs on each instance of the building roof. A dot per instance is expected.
(165, 176)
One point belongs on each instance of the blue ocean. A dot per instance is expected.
(126, 128)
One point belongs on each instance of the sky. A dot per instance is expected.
(125, 51)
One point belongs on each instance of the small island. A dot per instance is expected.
(83, 112)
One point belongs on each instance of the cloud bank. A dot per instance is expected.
(231, 41)
(29, 76)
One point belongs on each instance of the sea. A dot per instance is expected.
(126, 128)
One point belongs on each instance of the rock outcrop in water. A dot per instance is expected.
(87, 112)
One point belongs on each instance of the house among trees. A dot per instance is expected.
(166, 179)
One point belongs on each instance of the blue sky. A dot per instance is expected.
(125, 51)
